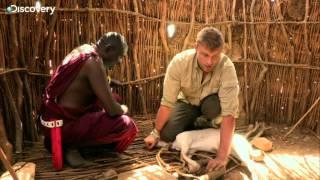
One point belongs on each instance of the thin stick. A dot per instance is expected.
(135, 56)
(302, 118)
(6, 163)
(264, 68)
(186, 40)
(175, 22)
(245, 67)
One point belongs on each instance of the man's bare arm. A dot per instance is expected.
(162, 117)
(96, 76)
(161, 120)
(226, 133)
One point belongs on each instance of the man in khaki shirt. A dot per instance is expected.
(199, 82)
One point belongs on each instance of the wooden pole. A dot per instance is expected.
(302, 118)
(264, 68)
(245, 56)
(186, 40)
(135, 56)
(162, 31)
(291, 56)
(50, 34)
(7, 165)
(18, 90)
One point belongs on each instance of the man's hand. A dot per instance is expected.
(151, 141)
(217, 163)
(124, 109)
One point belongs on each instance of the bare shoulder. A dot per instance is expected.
(94, 61)
(93, 64)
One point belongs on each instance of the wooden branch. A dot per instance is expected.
(253, 34)
(233, 10)
(14, 46)
(222, 10)
(143, 80)
(315, 135)
(135, 55)
(264, 68)
(306, 95)
(306, 15)
(206, 11)
(127, 61)
(15, 114)
(291, 56)
(266, 54)
(175, 22)
(244, 60)
(2, 58)
(262, 129)
(298, 66)
(245, 47)
(114, 5)
(88, 25)
(186, 40)
(7, 165)
(302, 118)
(252, 130)
(229, 33)
(21, 53)
(50, 33)
(91, 24)
(35, 56)
(292, 84)
(29, 121)
(76, 34)
(4, 142)
(39, 74)
(201, 9)
(162, 30)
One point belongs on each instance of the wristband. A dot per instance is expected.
(155, 133)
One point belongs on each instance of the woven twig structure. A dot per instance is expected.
(274, 45)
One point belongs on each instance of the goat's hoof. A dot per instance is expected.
(194, 168)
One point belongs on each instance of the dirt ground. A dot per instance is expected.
(296, 157)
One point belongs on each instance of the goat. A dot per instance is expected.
(208, 140)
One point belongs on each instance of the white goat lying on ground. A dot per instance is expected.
(208, 140)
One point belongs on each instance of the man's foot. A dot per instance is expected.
(201, 123)
(74, 159)
(97, 149)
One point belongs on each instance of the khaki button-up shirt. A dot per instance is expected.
(183, 81)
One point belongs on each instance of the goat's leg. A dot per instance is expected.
(193, 166)
(242, 149)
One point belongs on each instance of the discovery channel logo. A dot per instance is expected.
(31, 9)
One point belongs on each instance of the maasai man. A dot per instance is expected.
(78, 94)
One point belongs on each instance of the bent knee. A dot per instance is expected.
(125, 119)
(129, 123)
(167, 137)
